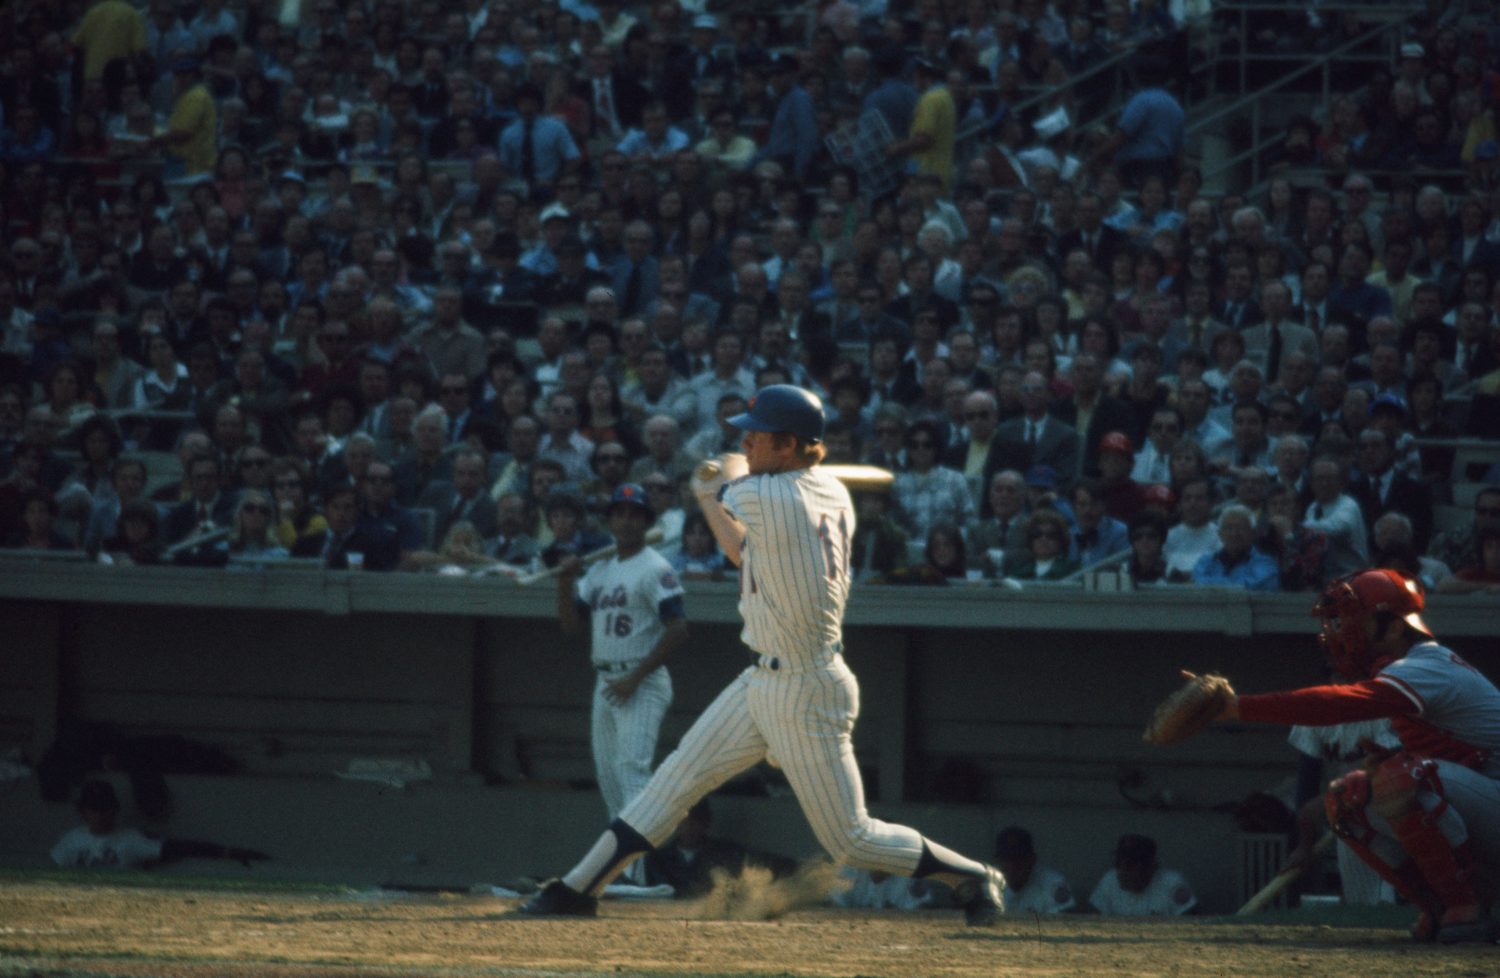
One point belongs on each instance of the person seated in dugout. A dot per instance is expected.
(1030, 887)
(100, 843)
(687, 862)
(1138, 885)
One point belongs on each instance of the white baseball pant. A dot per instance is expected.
(800, 719)
(623, 737)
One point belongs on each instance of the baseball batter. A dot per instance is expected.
(634, 603)
(788, 527)
(1426, 817)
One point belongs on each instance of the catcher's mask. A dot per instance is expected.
(1346, 604)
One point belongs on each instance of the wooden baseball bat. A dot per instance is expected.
(653, 536)
(856, 478)
(1283, 879)
(212, 536)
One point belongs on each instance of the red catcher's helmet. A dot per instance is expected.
(1348, 601)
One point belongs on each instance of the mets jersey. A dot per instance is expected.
(1167, 894)
(794, 570)
(629, 602)
(120, 849)
(1046, 891)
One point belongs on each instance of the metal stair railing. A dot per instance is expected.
(1387, 33)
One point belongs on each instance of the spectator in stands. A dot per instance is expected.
(699, 557)
(251, 541)
(1147, 563)
(207, 509)
(127, 484)
(1095, 535)
(296, 519)
(1338, 516)
(1121, 493)
(38, 524)
(1046, 555)
(1481, 576)
(1237, 562)
(345, 544)
(1148, 140)
(1381, 488)
(137, 540)
(1459, 548)
(1301, 552)
(1196, 536)
(378, 487)
(1392, 545)
(928, 493)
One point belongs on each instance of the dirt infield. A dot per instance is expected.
(170, 928)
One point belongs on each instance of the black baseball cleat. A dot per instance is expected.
(983, 899)
(557, 899)
(1481, 931)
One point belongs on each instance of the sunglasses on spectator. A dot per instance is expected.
(977, 415)
(921, 443)
(257, 463)
(288, 483)
(255, 508)
(455, 390)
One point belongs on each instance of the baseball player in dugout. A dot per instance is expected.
(633, 602)
(788, 526)
(1425, 816)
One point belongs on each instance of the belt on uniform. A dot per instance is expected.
(776, 663)
(613, 667)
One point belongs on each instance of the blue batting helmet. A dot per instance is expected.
(784, 409)
(631, 494)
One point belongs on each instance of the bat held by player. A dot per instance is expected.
(1283, 879)
(861, 478)
(653, 536)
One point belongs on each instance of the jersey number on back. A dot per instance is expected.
(835, 544)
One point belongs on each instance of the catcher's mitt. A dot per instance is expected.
(1188, 710)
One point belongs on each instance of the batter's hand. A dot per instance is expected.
(619, 691)
(712, 473)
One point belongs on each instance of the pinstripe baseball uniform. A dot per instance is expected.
(628, 603)
(796, 706)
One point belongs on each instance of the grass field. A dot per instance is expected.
(117, 924)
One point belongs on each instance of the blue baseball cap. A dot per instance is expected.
(630, 494)
(784, 409)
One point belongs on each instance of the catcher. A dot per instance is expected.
(1425, 817)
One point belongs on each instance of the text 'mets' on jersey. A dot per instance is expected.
(629, 603)
(794, 574)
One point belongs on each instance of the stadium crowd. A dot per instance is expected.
(415, 285)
